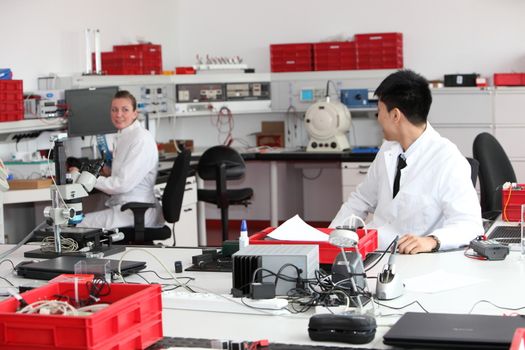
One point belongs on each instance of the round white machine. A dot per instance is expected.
(327, 123)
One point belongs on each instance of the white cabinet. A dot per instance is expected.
(352, 174)
(186, 227)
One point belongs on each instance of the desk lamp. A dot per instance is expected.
(344, 327)
(347, 238)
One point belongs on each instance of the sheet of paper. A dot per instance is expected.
(439, 281)
(295, 229)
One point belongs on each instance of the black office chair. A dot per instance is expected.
(220, 164)
(474, 170)
(494, 170)
(171, 206)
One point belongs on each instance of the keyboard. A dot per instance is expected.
(506, 234)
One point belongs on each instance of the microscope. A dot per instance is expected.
(65, 211)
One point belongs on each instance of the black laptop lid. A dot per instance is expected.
(51, 268)
(453, 331)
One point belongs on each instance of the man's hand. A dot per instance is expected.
(410, 244)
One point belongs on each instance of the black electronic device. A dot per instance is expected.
(341, 276)
(89, 111)
(345, 328)
(490, 249)
(453, 331)
(48, 269)
(461, 80)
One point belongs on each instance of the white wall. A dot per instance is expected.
(446, 36)
(42, 37)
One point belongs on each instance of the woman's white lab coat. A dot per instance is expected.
(436, 195)
(133, 175)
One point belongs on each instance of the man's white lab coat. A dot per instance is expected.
(436, 195)
(133, 175)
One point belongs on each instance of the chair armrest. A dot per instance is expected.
(139, 211)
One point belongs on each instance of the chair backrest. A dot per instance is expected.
(213, 157)
(474, 170)
(174, 190)
(495, 169)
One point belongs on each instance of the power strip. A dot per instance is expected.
(223, 303)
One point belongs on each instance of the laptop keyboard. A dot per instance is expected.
(506, 234)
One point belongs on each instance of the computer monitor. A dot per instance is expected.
(89, 111)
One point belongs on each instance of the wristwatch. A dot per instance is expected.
(438, 243)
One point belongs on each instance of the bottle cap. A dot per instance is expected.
(243, 225)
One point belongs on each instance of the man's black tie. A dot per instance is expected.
(401, 163)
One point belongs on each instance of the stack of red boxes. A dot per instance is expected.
(368, 51)
(11, 100)
(335, 56)
(132, 59)
(291, 57)
(379, 50)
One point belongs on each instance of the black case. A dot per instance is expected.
(455, 80)
(351, 328)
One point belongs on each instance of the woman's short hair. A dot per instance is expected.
(128, 95)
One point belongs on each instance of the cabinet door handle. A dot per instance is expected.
(188, 189)
(364, 166)
(187, 210)
(188, 182)
(364, 172)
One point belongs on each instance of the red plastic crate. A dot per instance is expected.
(379, 50)
(132, 321)
(11, 90)
(511, 208)
(509, 79)
(145, 48)
(379, 39)
(327, 252)
(340, 55)
(291, 57)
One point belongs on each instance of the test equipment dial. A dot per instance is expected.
(327, 123)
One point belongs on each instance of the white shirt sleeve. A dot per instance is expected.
(362, 201)
(460, 206)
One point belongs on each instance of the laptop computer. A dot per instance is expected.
(506, 234)
(453, 331)
(48, 269)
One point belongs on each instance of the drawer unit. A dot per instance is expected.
(352, 174)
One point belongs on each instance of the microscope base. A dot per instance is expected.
(40, 254)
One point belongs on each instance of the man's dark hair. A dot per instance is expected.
(129, 96)
(407, 91)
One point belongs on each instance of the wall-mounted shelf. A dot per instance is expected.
(32, 125)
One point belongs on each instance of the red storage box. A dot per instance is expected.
(327, 252)
(511, 207)
(291, 57)
(379, 50)
(132, 321)
(337, 55)
(509, 79)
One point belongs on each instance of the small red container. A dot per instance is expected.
(327, 252)
(511, 207)
(132, 321)
(509, 79)
(291, 57)
(337, 55)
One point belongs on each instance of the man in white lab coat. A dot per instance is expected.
(133, 172)
(419, 185)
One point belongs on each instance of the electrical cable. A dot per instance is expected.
(495, 305)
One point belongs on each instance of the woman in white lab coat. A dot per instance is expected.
(433, 206)
(133, 171)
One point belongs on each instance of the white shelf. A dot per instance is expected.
(31, 125)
